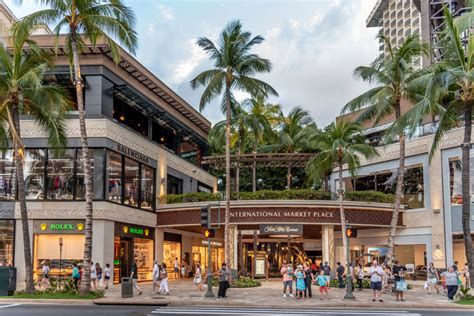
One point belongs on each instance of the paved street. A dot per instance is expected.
(84, 310)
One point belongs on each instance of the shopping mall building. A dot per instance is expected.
(148, 142)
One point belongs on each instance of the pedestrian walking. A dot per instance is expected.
(93, 276)
(76, 276)
(326, 269)
(323, 282)
(107, 273)
(433, 278)
(465, 272)
(198, 277)
(134, 276)
(287, 273)
(376, 273)
(360, 276)
(99, 272)
(300, 282)
(455, 266)
(156, 275)
(400, 284)
(386, 278)
(452, 284)
(309, 278)
(223, 281)
(79, 266)
(45, 270)
(164, 280)
(340, 271)
(176, 268)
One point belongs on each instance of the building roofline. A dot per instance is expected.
(376, 14)
(135, 69)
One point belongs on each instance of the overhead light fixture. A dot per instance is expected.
(162, 139)
(122, 117)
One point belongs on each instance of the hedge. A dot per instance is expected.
(301, 194)
(369, 196)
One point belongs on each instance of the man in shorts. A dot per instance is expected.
(376, 273)
(287, 274)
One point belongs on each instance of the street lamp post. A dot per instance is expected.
(209, 292)
(349, 288)
(60, 259)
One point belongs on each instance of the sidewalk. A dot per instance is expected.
(183, 293)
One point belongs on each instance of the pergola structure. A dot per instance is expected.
(277, 160)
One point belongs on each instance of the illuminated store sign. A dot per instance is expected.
(134, 231)
(58, 227)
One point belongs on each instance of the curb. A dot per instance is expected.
(51, 301)
(146, 302)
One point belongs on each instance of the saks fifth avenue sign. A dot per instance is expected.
(290, 229)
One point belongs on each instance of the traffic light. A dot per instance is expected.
(210, 233)
(351, 232)
(205, 218)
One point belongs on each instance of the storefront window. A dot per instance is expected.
(6, 242)
(143, 253)
(413, 190)
(61, 175)
(80, 184)
(114, 176)
(7, 176)
(171, 251)
(456, 179)
(147, 188)
(34, 174)
(200, 255)
(46, 249)
(131, 182)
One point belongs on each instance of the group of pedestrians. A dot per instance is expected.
(304, 275)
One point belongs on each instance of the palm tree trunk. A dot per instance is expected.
(18, 154)
(254, 173)
(288, 178)
(86, 282)
(237, 174)
(227, 177)
(398, 198)
(466, 190)
(342, 214)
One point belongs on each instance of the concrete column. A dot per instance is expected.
(328, 244)
(103, 243)
(234, 259)
(159, 239)
(20, 253)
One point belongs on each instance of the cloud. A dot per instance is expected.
(166, 12)
(185, 67)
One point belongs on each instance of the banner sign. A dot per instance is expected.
(278, 229)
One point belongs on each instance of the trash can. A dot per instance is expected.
(127, 287)
(7, 281)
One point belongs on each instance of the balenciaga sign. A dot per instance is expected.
(289, 229)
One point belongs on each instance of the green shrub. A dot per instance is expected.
(241, 282)
(299, 194)
(464, 294)
(53, 290)
(369, 196)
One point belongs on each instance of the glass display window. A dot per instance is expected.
(61, 175)
(456, 179)
(34, 173)
(114, 177)
(147, 190)
(171, 251)
(80, 185)
(7, 228)
(46, 249)
(131, 182)
(7, 176)
(143, 253)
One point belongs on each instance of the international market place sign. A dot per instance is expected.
(58, 227)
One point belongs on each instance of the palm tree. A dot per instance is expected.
(234, 68)
(23, 92)
(340, 144)
(447, 89)
(264, 117)
(291, 136)
(392, 72)
(87, 21)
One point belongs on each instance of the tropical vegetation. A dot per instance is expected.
(234, 69)
(86, 21)
(23, 91)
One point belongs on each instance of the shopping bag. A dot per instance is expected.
(427, 285)
(401, 286)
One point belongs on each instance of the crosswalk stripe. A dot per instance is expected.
(10, 305)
